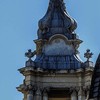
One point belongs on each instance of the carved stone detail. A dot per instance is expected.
(39, 46)
(38, 94)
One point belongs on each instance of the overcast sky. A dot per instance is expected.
(18, 29)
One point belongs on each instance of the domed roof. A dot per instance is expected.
(56, 21)
(57, 43)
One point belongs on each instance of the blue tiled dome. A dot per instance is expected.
(56, 21)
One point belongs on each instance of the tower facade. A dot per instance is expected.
(57, 73)
(95, 83)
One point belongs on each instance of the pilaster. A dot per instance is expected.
(81, 94)
(30, 95)
(45, 93)
(74, 95)
(38, 94)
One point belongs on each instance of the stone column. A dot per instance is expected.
(74, 95)
(45, 95)
(25, 97)
(30, 95)
(87, 95)
(81, 94)
(38, 94)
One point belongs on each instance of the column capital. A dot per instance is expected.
(74, 95)
(74, 89)
(38, 93)
(30, 91)
(86, 88)
(45, 93)
(46, 89)
(81, 93)
(74, 92)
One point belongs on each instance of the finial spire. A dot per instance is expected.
(57, 3)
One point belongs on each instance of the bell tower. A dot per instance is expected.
(57, 73)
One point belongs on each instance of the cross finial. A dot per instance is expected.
(88, 54)
(30, 54)
(30, 62)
